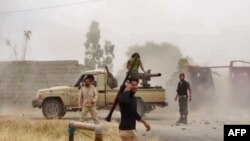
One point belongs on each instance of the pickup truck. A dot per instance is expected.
(56, 101)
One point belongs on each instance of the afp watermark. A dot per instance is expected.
(236, 132)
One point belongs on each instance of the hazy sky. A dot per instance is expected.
(209, 31)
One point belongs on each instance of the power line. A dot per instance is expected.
(48, 7)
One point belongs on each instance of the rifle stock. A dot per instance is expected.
(108, 71)
(108, 118)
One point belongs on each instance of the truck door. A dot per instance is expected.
(74, 94)
(101, 87)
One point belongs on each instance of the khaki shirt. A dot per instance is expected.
(87, 96)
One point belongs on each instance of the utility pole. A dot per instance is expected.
(13, 47)
(27, 37)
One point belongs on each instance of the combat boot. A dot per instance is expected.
(185, 120)
(180, 120)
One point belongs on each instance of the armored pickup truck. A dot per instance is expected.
(56, 101)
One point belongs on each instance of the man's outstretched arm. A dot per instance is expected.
(145, 124)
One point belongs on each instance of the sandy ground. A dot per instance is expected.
(203, 125)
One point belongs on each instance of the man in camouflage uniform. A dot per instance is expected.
(182, 96)
(135, 70)
(88, 96)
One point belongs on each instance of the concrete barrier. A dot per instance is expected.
(86, 126)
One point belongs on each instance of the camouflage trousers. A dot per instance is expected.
(93, 112)
(183, 105)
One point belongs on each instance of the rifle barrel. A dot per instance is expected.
(151, 75)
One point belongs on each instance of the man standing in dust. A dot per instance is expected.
(182, 95)
(88, 96)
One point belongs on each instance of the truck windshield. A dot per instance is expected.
(78, 82)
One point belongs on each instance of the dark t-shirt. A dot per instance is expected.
(129, 115)
(182, 87)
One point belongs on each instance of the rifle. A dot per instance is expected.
(108, 72)
(112, 82)
(108, 118)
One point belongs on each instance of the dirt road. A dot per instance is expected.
(197, 129)
(203, 125)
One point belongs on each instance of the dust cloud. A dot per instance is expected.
(213, 102)
(220, 104)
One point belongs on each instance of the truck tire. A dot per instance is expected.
(141, 109)
(53, 109)
(63, 113)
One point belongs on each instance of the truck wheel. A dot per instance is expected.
(63, 113)
(141, 109)
(53, 109)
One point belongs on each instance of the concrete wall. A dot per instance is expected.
(19, 81)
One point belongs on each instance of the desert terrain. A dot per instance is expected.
(19, 124)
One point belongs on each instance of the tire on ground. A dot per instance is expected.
(53, 109)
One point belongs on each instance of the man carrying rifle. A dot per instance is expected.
(129, 115)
